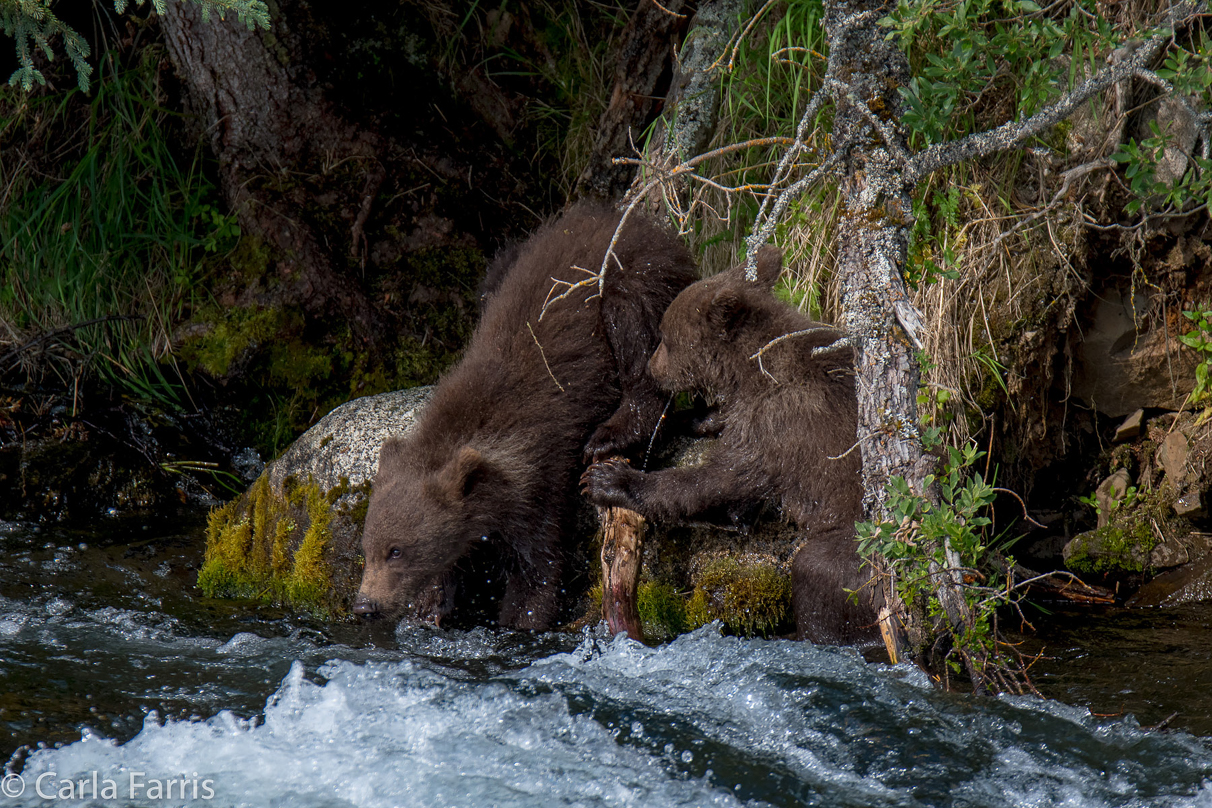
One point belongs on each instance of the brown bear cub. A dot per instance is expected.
(470, 511)
(785, 416)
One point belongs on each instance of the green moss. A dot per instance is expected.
(230, 334)
(309, 579)
(273, 547)
(662, 610)
(250, 258)
(445, 267)
(1113, 547)
(750, 598)
(1125, 543)
(356, 511)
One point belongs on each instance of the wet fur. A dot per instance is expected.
(781, 422)
(496, 453)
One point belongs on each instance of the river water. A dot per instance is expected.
(119, 685)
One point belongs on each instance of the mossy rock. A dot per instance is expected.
(280, 547)
(662, 610)
(294, 538)
(1125, 543)
(750, 595)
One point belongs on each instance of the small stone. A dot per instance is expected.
(1130, 428)
(1110, 492)
(1190, 505)
(1172, 453)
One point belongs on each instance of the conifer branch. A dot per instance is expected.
(32, 23)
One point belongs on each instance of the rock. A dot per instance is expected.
(1187, 584)
(1172, 454)
(1184, 550)
(1110, 493)
(344, 445)
(1105, 549)
(1174, 118)
(1130, 428)
(1126, 361)
(294, 537)
(1190, 505)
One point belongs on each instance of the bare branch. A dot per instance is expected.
(1067, 181)
(788, 335)
(1015, 133)
(857, 444)
(762, 230)
(1026, 515)
(667, 11)
(594, 279)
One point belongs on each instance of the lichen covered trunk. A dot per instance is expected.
(872, 240)
(872, 237)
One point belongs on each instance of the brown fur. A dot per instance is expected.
(490, 469)
(782, 421)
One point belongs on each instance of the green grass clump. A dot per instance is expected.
(104, 235)
(662, 611)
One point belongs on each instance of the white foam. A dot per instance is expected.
(704, 721)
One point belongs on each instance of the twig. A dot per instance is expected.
(592, 280)
(1020, 502)
(788, 335)
(543, 355)
(1073, 579)
(739, 39)
(857, 443)
(1057, 198)
(66, 330)
(667, 11)
(374, 180)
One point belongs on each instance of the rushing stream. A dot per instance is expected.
(120, 686)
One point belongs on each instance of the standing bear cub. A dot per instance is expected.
(788, 417)
(471, 510)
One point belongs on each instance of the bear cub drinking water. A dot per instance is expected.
(786, 414)
(472, 509)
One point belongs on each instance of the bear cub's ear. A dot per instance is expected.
(726, 313)
(769, 265)
(455, 481)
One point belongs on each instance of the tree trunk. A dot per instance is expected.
(269, 124)
(643, 65)
(872, 240)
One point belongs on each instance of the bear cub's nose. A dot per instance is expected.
(366, 609)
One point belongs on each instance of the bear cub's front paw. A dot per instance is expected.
(610, 484)
(610, 438)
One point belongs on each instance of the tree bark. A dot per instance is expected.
(643, 65)
(268, 123)
(872, 241)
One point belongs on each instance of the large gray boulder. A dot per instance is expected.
(344, 445)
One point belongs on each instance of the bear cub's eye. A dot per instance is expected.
(394, 552)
